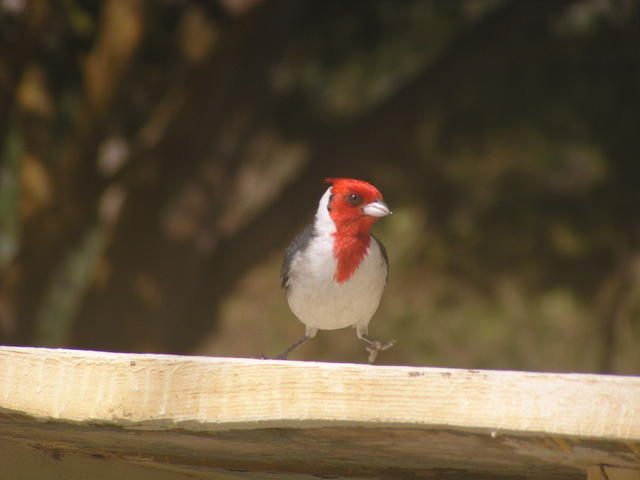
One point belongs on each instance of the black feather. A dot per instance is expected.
(383, 250)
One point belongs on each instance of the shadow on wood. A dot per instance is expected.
(79, 413)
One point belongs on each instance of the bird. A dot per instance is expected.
(335, 271)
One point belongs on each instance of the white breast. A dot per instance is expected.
(319, 301)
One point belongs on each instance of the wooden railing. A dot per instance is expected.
(78, 414)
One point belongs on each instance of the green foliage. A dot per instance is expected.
(158, 156)
(9, 185)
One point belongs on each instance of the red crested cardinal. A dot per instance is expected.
(334, 272)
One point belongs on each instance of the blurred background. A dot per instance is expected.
(157, 157)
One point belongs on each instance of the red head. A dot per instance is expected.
(354, 207)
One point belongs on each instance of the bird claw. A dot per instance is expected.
(376, 346)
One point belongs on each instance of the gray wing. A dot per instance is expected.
(299, 243)
(383, 250)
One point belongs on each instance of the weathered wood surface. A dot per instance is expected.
(200, 417)
(608, 472)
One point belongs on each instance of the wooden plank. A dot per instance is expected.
(206, 415)
(607, 472)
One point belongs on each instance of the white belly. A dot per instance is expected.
(320, 302)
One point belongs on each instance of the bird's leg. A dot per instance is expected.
(309, 333)
(374, 346)
(285, 353)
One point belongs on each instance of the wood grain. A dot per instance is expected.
(304, 418)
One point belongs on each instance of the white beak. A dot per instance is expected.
(376, 209)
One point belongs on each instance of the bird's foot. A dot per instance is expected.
(376, 346)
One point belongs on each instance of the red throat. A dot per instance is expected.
(351, 242)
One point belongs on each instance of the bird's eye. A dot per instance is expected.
(354, 199)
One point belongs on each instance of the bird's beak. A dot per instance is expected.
(376, 208)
